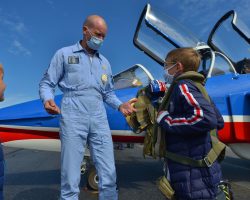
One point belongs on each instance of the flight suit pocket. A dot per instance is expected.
(76, 75)
(65, 105)
(70, 107)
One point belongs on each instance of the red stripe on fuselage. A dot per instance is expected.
(12, 134)
(235, 132)
(128, 139)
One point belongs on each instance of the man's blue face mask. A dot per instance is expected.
(94, 42)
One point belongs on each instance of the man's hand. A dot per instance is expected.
(51, 107)
(127, 108)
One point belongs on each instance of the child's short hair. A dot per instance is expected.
(188, 57)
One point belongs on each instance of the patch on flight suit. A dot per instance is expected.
(73, 60)
(104, 78)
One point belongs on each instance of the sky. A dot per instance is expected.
(31, 31)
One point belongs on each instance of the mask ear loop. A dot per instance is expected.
(91, 34)
(170, 67)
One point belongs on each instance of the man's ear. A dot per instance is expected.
(84, 30)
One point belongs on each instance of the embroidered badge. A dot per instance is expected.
(73, 60)
(104, 78)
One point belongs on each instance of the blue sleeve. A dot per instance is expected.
(220, 120)
(108, 94)
(51, 77)
(197, 116)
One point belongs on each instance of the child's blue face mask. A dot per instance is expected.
(94, 42)
(169, 77)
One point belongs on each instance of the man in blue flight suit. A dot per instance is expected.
(2, 89)
(85, 78)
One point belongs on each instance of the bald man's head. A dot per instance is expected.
(94, 27)
(93, 21)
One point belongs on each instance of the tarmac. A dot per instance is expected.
(35, 175)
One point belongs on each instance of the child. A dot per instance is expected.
(2, 88)
(186, 117)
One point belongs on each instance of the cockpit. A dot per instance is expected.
(135, 76)
(157, 34)
(231, 37)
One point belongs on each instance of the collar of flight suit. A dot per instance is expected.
(78, 48)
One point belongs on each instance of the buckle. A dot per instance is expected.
(207, 162)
